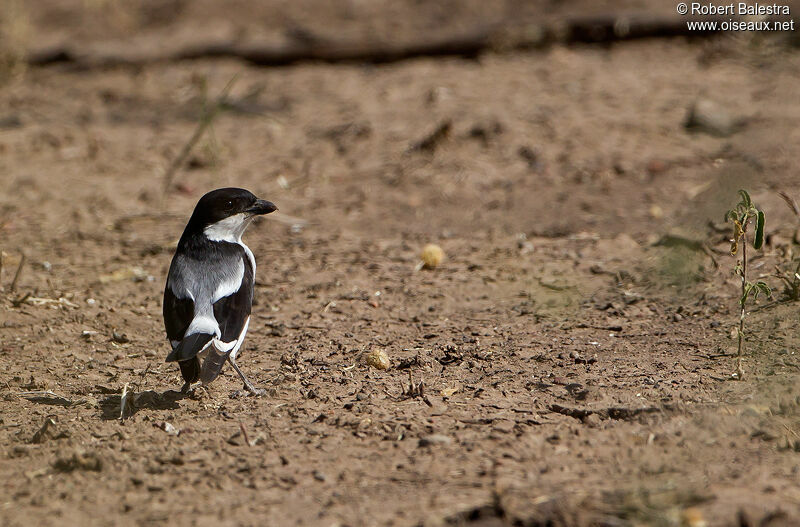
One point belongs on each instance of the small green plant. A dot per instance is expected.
(742, 216)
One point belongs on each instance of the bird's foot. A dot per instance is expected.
(194, 390)
(248, 386)
(248, 391)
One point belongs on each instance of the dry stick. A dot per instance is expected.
(244, 434)
(208, 118)
(742, 300)
(503, 36)
(18, 273)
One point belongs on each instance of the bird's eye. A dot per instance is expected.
(229, 204)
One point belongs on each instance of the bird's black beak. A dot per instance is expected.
(262, 207)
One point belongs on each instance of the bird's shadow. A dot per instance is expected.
(111, 406)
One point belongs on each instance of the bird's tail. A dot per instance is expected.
(190, 369)
(189, 347)
(212, 365)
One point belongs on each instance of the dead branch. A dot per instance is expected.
(506, 36)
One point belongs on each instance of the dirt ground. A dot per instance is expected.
(574, 347)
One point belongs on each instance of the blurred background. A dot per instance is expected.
(573, 159)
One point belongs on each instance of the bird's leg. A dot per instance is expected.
(193, 389)
(247, 384)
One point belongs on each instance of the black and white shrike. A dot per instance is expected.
(209, 290)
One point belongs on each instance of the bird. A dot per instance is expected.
(209, 290)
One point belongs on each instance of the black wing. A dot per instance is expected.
(232, 311)
(178, 314)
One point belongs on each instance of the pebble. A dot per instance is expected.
(435, 439)
(708, 117)
(378, 359)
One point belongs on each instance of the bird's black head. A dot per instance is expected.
(236, 204)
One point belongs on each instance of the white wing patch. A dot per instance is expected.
(203, 324)
(234, 345)
(230, 284)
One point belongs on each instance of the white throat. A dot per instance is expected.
(228, 230)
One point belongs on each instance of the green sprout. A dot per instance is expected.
(742, 216)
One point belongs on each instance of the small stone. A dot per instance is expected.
(431, 256)
(378, 359)
(656, 166)
(708, 117)
(79, 461)
(592, 421)
(168, 428)
(693, 517)
(19, 451)
(656, 212)
(435, 439)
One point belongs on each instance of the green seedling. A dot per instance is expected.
(742, 216)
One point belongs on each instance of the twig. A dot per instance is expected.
(18, 273)
(432, 140)
(244, 434)
(206, 120)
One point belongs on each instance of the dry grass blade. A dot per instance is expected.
(18, 274)
(790, 202)
(208, 118)
(123, 402)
